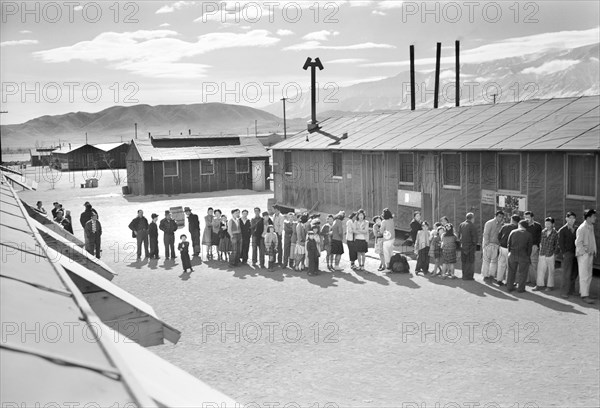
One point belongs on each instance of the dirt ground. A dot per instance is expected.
(347, 339)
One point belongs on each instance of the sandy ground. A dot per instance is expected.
(347, 339)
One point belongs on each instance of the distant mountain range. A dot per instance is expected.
(560, 73)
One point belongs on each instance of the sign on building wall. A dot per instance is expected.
(409, 198)
(488, 197)
(511, 204)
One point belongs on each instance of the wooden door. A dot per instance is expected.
(372, 183)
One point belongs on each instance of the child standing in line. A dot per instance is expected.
(271, 245)
(435, 249)
(313, 251)
(422, 249)
(184, 247)
(325, 233)
(224, 240)
(449, 248)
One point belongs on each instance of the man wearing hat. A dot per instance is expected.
(153, 235)
(168, 226)
(235, 232)
(194, 228)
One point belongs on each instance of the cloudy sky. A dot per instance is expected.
(86, 56)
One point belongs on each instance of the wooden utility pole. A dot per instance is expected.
(284, 123)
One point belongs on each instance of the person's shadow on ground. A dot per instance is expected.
(139, 264)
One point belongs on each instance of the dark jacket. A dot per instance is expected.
(139, 224)
(467, 235)
(415, 227)
(168, 226)
(519, 245)
(193, 222)
(260, 228)
(246, 228)
(535, 230)
(153, 230)
(504, 233)
(566, 239)
(89, 234)
(86, 216)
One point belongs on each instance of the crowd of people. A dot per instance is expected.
(514, 254)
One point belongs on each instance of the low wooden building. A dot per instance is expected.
(538, 155)
(194, 164)
(41, 156)
(91, 157)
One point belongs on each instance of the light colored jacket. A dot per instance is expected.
(585, 241)
(491, 230)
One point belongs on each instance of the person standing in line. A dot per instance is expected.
(270, 243)
(350, 240)
(566, 245)
(435, 248)
(245, 229)
(92, 233)
(86, 215)
(444, 221)
(139, 228)
(168, 226)
(224, 240)
(216, 231)
(535, 229)
(388, 229)
(490, 246)
(325, 233)
(467, 235)
(56, 208)
(449, 247)
(153, 236)
(194, 228)
(184, 248)
(287, 238)
(361, 237)
(415, 226)
(337, 235)
(256, 236)
(519, 257)
(503, 255)
(293, 241)
(422, 249)
(301, 232)
(378, 241)
(235, 232)
(313, 251)
(60, 219)
(207, 233)
(585, 250)
(548, 250)
(278, 220)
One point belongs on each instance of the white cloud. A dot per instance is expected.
(322, 35)
(361, 80)
(551, 67)
(359, 3)
(170, 8)
(78, 8)
(24, 32)
(511, 47)
(316, 45)
(347, 61)
(154, 53)
(165, 25)
(378, 13)
(283, 32)
(389, 4)
(246, 27)
(18, 42)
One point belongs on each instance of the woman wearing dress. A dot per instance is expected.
(224, 240)
(449, 247)
(378, 241)
(388, 230)
(207, 233)
(361, 237)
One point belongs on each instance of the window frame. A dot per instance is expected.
(287, 166)
(566, 176)
(452, 186)
(340, 174)
(176, 168)
(247, 165)
(498, 166)
(406, 183)
(212, 161)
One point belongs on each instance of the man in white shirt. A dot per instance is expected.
(585, 250)
(278, 220)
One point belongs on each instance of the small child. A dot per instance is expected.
(271, 245)
(184, 247)
(313, 252)
(422, 249)
(325, 235)
(435, 249)
(449, 248)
